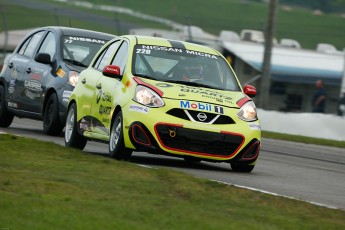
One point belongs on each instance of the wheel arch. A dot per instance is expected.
(46, 97)
(116, 111)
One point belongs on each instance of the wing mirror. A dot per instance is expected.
(112, 71)
(43, 58)
(249, 90)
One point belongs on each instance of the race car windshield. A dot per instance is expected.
(183, 66)
(80, 50)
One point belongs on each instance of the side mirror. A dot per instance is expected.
(250, 91)
(112, 71)
(43, 58)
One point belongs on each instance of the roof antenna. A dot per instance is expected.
(70, 24)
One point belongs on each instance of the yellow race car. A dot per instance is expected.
(164, 97)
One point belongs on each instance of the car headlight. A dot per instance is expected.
(73, 78)
(147, 96)
(248, 112)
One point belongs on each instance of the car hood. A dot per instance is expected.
(201, 94)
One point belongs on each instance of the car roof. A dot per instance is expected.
(79, 32)
(157, 41)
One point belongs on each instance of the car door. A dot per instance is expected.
(90, 91)
(17, 67)
(37, 75)
(109, 90)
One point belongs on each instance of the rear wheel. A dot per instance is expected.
(72, 138)
(51, 121)
(117, 149)
(6, 117)
(241, 167)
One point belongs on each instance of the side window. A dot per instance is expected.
(23, 47)
(121, 57)
(49, 45)
(104, 57)
(29, 50)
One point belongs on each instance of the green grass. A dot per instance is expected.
(303, 139)
(47, 186)
(212, 16)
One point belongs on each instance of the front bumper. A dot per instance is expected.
(237, 140)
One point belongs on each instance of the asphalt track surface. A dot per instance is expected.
(307, 172)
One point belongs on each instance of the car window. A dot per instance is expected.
(80, 50)
(183, 66)
(104, 57)
(30, 45)
(121, 57)
(49, 45)
(24, 45)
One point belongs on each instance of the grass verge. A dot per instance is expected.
(47, 186)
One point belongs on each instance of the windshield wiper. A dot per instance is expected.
(74, 62)
(190, 83)
(144, 76)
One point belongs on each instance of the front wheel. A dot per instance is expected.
(241, 167)
(6, 117)
(72, 138)
(51, 121)
(117, 149)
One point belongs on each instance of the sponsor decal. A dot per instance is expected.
(196, 53)
(66, 94)
(164, 85)
(18, 59)
(201, 106)
(36, 76)
(71, 39)
(255, 126)
(31, 95)
(12, 82)
(12, 105)
(200, 126)
(105, 120)
(103, 97)
(37, 69)
(207, 93)
(104, 110)
(146, 49)
(33, 85)
(139, 108)
(60, 72)
(219, 109)
(14, 72)
(11, 89)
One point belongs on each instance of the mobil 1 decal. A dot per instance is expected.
(201, 106)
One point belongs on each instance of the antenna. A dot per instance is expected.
(70, 23)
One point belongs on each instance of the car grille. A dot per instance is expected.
(192, 115)
(198, 141)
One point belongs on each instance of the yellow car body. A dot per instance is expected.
(130, 97)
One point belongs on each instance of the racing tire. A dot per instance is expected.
(72, 137)
(117, 149)
(241, 167)
(51, 122)
(6, 117)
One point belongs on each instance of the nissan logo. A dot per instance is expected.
(201, 116)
